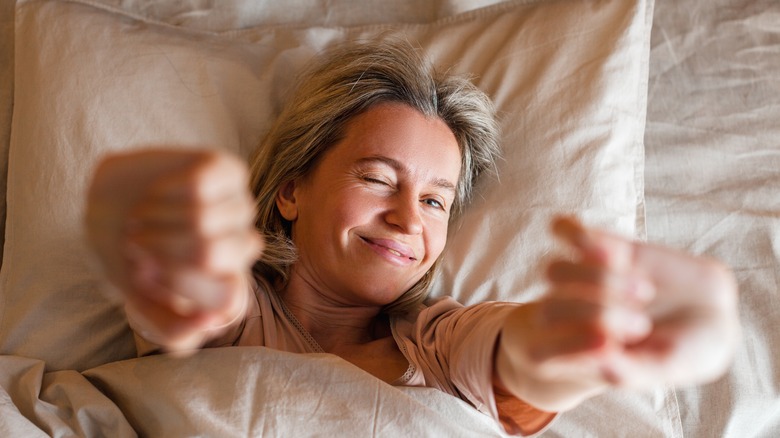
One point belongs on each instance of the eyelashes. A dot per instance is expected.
(434, 203)
(375, 179)
(383, 182)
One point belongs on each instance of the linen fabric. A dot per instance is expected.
(568, 78)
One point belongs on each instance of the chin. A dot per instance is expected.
(373, 285)
(379, 297)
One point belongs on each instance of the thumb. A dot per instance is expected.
(594, 246)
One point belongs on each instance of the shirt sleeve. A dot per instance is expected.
(454, 348)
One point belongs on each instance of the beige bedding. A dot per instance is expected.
(712, 185)
(706, 179)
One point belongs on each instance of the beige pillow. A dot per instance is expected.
(569, 79)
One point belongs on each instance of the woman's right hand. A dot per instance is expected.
(174, 231)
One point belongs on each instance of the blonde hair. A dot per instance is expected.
(346, 82)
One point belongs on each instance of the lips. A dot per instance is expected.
(392, 247)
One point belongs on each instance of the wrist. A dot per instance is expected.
(551, 385)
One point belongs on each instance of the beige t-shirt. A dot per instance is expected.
(449, 346)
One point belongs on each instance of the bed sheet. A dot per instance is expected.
(712, 185)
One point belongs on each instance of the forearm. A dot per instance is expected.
(533, 379)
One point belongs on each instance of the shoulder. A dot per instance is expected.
(453, 346)
(448, 310)
(447, 327)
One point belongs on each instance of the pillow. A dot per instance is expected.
(568, 77)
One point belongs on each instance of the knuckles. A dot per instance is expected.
(199, 200)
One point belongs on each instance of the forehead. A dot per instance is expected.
(423, 145)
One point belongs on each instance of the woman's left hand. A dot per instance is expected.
(621, 313)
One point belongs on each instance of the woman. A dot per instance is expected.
(355, 187)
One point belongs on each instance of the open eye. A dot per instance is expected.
(435, 203)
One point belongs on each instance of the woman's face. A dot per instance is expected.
(371, 218)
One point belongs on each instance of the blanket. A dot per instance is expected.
(225, 392)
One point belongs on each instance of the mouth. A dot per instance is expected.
(392, 247)
(392, 251)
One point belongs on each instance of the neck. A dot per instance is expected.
(334, 323)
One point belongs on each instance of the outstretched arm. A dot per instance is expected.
(174, 231)
(622, 313)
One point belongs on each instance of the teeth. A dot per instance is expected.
(392, 251)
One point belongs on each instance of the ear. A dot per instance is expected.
(285, 201)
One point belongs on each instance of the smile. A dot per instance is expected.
(391, 249)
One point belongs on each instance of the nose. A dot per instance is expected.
(404, 214)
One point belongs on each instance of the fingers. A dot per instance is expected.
(669, 317)
(209, 177)
(559, 342)
(593, 246)
(599, 283)
(179, 248)
(604, 274)
(189, 237)
(183, 291)
(602, 279)
(619, 324)
(175, 231)
(201, 217)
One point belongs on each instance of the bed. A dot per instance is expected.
(658, 120)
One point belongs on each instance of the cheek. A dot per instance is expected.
(347, 211)
(351, 208)
(436, 240)
(327, 214)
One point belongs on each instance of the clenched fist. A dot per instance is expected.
(174, 231)
(621, 313)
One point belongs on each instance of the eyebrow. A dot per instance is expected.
(398, 167)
